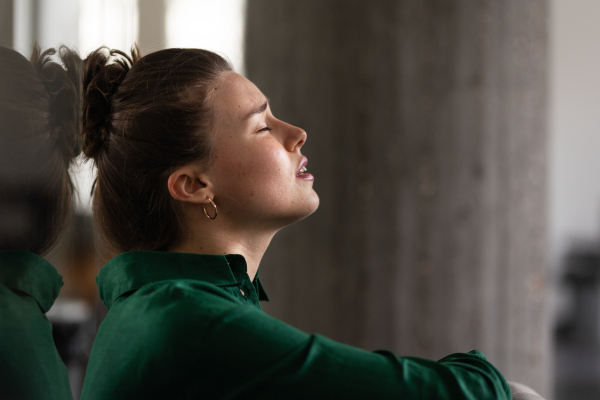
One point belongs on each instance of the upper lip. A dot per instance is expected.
(302, 164)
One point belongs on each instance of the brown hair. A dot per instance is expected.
(40, 109)
(143, 118)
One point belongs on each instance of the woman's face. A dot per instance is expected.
(257, 160)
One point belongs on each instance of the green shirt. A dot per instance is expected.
(30, 367)
(178, 327)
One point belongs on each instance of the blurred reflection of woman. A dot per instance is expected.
(195, 177)
(39, 125)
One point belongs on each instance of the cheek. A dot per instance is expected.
(255, 174)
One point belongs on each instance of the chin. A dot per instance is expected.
(314, 203)
(299, 213)
(310, 207)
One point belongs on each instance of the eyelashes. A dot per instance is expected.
(266, 128)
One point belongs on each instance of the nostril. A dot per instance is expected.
(301, 142)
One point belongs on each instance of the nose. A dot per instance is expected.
(294, 138)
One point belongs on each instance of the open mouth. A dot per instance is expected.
(302, 174)
(302, 166)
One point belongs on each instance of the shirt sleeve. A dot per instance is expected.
(266, 358)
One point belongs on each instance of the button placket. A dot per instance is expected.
(247, 289)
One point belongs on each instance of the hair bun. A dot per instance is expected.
(63, 86)
(103, 72)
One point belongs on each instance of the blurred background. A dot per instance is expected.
(456, 152)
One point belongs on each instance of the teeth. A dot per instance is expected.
(302, 170)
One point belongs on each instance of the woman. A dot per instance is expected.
(195, 177)
(39, 126)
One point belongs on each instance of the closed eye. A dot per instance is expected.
(266, 128)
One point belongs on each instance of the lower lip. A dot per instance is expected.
(306, 176)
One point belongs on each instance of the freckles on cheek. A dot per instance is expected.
(265, 174)
(273, 163)
(257, 170)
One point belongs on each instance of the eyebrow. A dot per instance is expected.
(258, 110)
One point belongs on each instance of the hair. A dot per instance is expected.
(142, 119)
(40, 114)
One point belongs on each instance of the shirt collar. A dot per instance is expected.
(30, 273)
(132, 270)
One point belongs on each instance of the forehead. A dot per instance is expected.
(235, 96)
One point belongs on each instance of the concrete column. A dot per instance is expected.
(426, 125)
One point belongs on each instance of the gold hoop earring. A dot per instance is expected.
(214, 205)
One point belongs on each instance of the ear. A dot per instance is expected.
(189, 185)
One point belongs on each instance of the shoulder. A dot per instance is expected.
(166, 308)
(159, 325)
(19, 308)
(23, 326)
(31, 367)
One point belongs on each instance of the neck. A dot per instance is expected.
(214, 237)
